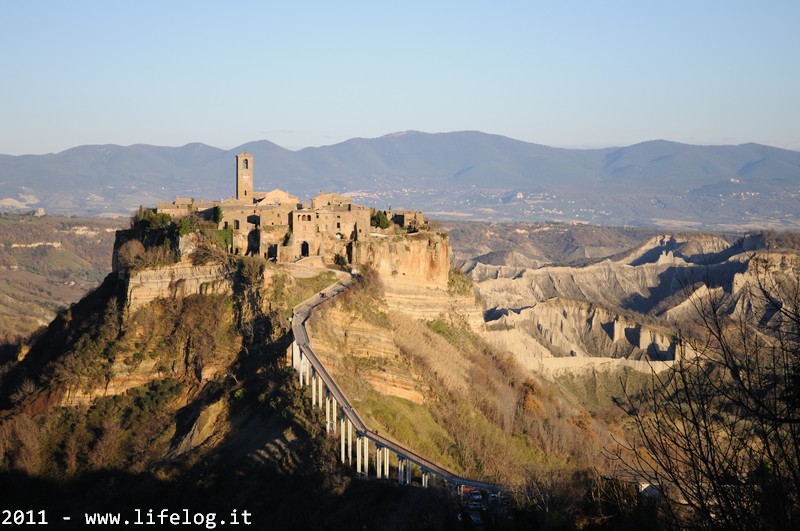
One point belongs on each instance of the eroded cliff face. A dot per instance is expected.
(422, 258)
(176, 281)
(348, 343)
(560, 333)
(413, 271)
(428, 303)
(192, 339)
(628, 308)
(609, 283)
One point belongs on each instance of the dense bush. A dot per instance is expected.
(380, 220)
(217, 215)
(251, 269)
(458, 283)
(148, 219)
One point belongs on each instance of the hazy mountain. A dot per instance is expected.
(468, 173)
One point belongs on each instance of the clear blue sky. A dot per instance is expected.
(561, 73)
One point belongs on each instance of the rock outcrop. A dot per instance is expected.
(422, 258)
(561, 312)
(565, 328)
(608, 283)
(175, 281)
(344, 342)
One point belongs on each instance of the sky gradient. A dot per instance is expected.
(573, 74)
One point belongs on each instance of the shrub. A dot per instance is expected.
(206, 253)
(458, 283)
(340, 260)
(187, 225)
(217, 214)
(158, 256)
(148, 219)
(380, 220)
(129, 253)
(252, 269)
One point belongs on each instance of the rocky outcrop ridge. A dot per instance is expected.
(344, 342)
(421, 258)
(564, 312)
(428, 303)
(575, 328)
(700, 249)
(175, 281)
(126, 377)
(608, 283)
(562, 328)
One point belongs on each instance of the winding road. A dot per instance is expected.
(302, 312)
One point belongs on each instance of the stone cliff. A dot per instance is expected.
(349, 344)
(175, 281)
(413, 271)
(422, 258)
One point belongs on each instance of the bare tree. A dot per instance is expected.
(721, 431)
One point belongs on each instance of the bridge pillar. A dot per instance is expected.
(335, 407)
(378, 462)
(327, 413)
(358, 454)
(386, 463)
(425, 478)
(408, 472)
(300, 366)
(314, 389)
(400, 473)
(296, 356)
(349, 442)
(342, 437)
(366, 456)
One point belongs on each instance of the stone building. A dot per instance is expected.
(275, 224)
(413, 219)
(328, 226)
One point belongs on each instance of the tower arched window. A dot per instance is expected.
(246, 164)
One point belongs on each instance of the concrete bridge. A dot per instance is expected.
(342, 419)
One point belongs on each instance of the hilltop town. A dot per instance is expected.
(187, 246)
(277, 226)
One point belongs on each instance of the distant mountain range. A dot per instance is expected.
(464, 174)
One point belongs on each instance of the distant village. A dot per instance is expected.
(275, 225)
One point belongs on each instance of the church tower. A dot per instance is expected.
(244, 176)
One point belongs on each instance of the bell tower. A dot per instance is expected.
(244, 176)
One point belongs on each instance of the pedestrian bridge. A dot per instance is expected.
(390, 459)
